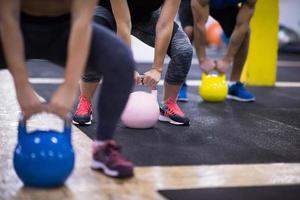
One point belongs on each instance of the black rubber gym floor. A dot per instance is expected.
(245, 193)
(266, 131)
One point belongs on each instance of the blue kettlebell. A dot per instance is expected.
(43, 158)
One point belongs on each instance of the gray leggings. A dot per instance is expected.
(180, 49)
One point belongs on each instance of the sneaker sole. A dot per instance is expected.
(83, 123)
(167, 119)
(96, 165)
(183, 99)
(240, 99)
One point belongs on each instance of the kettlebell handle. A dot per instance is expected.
(23, 121)
(22, 127)
(204, 75)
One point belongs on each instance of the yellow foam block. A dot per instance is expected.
(261, 65)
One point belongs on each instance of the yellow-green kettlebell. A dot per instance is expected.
(213, 88)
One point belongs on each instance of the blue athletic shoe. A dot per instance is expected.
(238, 92)
(182, 96)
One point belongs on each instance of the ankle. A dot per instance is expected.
(168, 99)
(85, 98)
(230, 83)
(99, 142)
(102, 142)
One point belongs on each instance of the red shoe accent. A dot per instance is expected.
(83, 114)
(84, 107)
(171, 108)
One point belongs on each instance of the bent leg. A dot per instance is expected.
(113, 59)
(91, 78)
(240, 59)
(181, 53)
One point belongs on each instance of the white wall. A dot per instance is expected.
(290, 14)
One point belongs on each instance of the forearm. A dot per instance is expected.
(124, 32)
(237, 38)
(242, 29)
(200, 41)
(164, 30)
(123, 19)
(200, 13)
(78, 49)
(13, 47)
(162, 41)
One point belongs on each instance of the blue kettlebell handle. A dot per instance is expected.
(22, 128)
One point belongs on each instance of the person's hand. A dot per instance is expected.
(137, 78)
(207, 65)
(222, 66)
(151, 78)
(28, 100)
(62, 101)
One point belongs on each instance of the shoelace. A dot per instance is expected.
(173, 108)
(241, 86)
(83, 106)
(114, 151)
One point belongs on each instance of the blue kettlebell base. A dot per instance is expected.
(38, 185)
(43, 159)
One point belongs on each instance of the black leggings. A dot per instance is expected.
(47, 38)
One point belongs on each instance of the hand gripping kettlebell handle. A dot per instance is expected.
(153, 90)
(22, 126)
